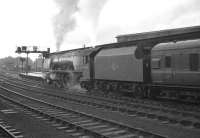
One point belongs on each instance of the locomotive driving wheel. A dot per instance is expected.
(66, 79)
(57, 84)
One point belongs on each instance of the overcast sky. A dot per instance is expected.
(71, 23)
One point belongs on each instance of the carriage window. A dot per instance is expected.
(194, 62)
(85, 59)
(168, 61)
(155, 63)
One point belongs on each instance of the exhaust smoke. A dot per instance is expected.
(64, 21)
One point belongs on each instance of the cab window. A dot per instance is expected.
(85, 59)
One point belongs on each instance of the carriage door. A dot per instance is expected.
(147, 66)
(169, 71)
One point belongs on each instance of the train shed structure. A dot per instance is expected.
(147, 40)
(163, 35)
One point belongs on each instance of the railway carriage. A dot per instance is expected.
(176, 66)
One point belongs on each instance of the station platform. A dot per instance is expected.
(33, 75)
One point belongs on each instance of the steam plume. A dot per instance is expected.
(91, 9)
(64, 21)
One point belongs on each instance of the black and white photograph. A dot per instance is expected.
(100, 69)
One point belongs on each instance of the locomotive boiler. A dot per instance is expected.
(67, 67)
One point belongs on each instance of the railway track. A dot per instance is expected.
(168, 104)
(171, 103)
(75, 123)
(158, 113)
(162, 100)
(7, 131)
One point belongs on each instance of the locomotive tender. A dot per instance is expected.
(147, 66)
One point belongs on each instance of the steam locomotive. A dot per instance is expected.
(169, 68)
